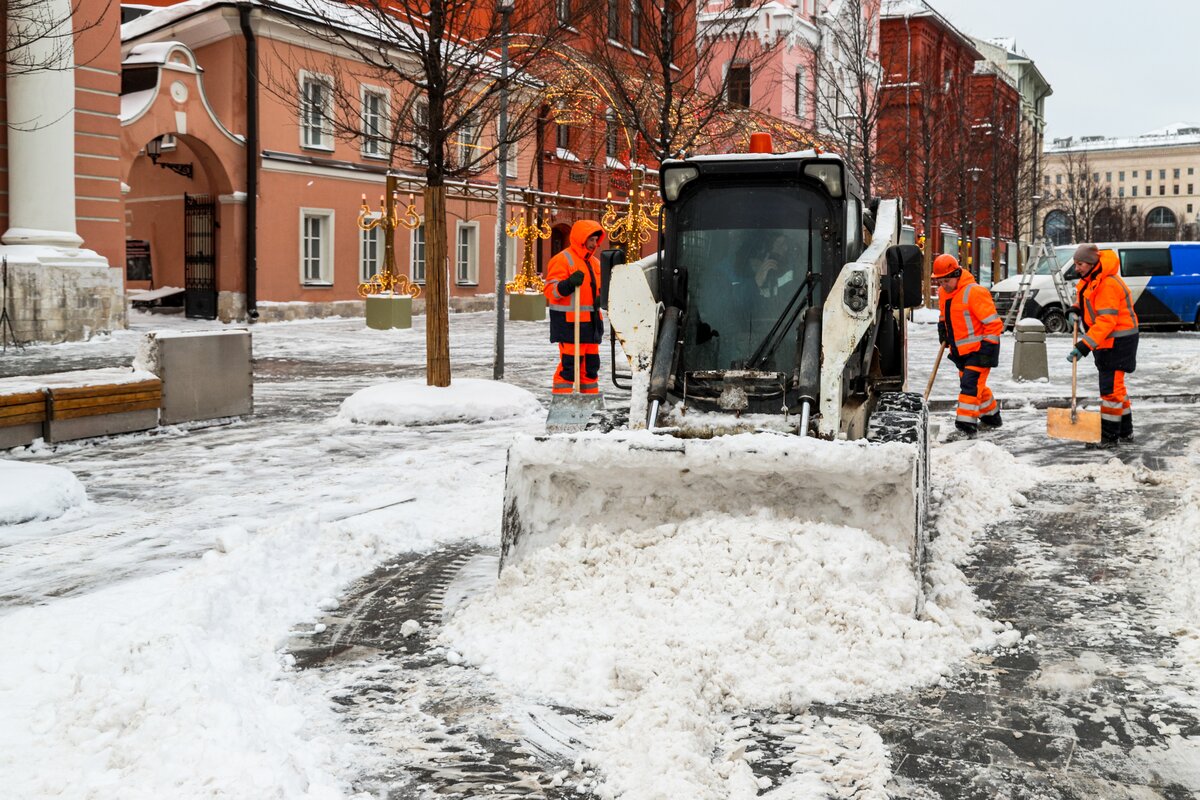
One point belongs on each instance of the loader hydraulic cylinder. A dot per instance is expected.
(664, 357)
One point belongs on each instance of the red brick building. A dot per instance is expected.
(946, 133)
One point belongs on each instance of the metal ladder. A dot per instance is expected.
(1017, 309)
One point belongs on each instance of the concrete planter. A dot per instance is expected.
(526, 307)
(389, 311)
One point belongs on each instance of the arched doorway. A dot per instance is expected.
(183, 174)
(1106, 225)
(1057, 228)
(1161, 225)
(172, 218)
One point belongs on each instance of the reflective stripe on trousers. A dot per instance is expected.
(564, 373)
(975, 399)
(1116, 412)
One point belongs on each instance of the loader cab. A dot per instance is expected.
(750, 242)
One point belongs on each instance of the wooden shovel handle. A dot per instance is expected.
(575, 386)
(1074, 372)
(932, 375)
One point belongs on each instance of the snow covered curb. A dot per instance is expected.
(416, 403)
(676, 629)
(37, 491)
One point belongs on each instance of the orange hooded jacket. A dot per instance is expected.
(970, 316)
(562, 307)
(1107, 304)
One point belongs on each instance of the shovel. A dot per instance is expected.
(570, 413)
(932, 375)
(1071, 423)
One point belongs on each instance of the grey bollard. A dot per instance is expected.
(1029, 353)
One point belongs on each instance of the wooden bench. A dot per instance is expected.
(73, 402)
(22, 415)
(62, 406)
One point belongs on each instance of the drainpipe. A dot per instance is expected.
(251, 162)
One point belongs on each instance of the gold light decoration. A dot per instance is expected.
(572, 101)
(632, 228)
(530, 228)
(388, 281)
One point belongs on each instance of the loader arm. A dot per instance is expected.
(850, 311)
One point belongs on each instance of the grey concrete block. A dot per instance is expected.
(65, 430)
(205, 375)
(20, 435)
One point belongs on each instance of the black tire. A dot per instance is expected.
(1055, 320)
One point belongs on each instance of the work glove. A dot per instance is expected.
(570, 283)
(1075, 355)
(989, 354)
(1074, 314)
(942, 333)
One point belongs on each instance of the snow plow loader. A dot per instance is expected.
(767, 367)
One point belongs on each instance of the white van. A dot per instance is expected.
(1163, 277)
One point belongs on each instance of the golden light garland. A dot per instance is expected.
(632, 228)
(530, 228)
(388, 219)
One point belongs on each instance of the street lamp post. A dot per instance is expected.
(505, 9)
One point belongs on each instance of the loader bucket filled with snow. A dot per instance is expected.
(636, 480)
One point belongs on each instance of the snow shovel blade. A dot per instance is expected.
(637, 480)
(570, 413)
(1085, 427)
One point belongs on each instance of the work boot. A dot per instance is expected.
(961, 431)
(1105, 443)
(1127, 428)
(992, 420)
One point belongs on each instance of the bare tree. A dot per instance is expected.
(440, 59)
(42, 35)
(675, 99)
(849, 76)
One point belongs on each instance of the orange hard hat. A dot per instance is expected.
(944, 264)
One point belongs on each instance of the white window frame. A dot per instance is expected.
(466, 253)
(324, 141)
(420, 113)
(417, 267)
(370, 252)
(612, 143)
(510, 165)
(324, 255)
(468, 143)
(375, 146)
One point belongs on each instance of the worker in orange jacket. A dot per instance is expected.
(970, 327)
(1105, 309)
(576, 269)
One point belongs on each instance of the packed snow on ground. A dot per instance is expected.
(414, 402)
(36, 492)
(1177, 566)
(675, 629)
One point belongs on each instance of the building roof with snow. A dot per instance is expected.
(1173, 135)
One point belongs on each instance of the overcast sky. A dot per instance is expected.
(1117, 68)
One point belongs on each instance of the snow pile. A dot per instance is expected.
(675, 629)
(171, 686)
(660, 479)
(416, 403)
(36, 491)
(924, 316)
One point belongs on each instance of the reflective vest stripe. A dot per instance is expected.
(988, 320)
(565, 307)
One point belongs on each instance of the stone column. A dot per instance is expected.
(41, 126)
